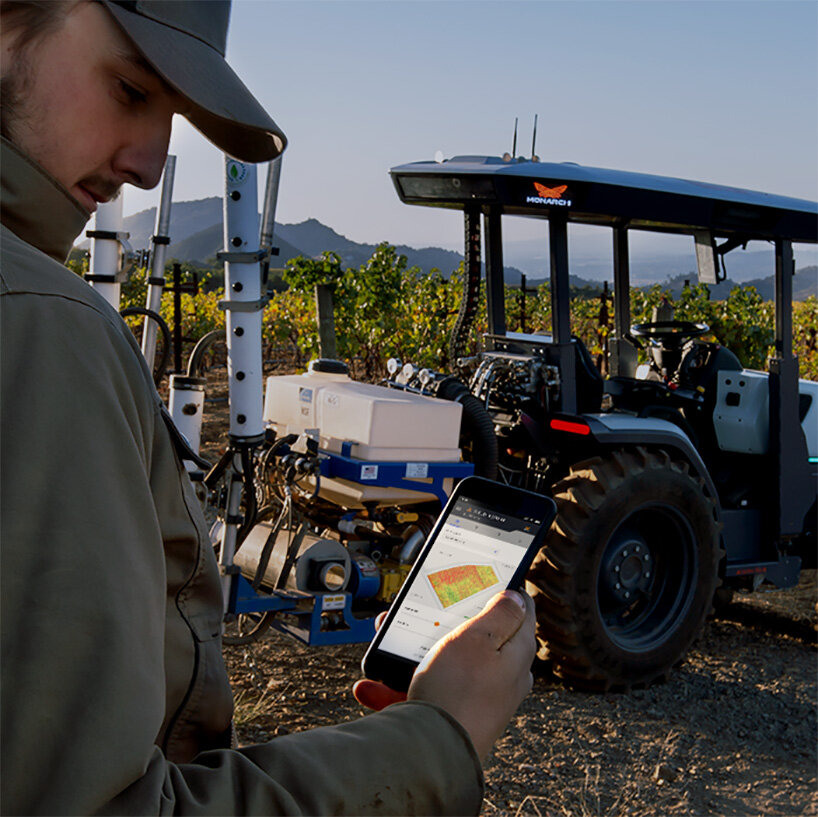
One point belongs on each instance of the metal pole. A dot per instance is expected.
(560, 289)
(268, 212)
(156, 280)
(227, 548)
(795, 488)
(495, 293)
(622, 354)
(561, 312)
(784, 265)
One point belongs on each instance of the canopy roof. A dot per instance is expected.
(591, 195)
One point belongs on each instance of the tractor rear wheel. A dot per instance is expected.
(626, 578)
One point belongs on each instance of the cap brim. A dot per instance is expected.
(221, 106)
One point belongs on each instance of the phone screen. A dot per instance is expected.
(477, 551)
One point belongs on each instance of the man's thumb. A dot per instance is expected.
(502, 617)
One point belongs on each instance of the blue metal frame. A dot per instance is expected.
(394, 474)
(244, 599)
(355, 630)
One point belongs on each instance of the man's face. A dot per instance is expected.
(89, 110)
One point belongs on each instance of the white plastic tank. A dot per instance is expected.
(381, 423)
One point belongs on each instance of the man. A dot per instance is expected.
(115, 698)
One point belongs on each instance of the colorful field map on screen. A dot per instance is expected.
(457, 583)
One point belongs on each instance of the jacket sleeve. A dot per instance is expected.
(84, 594)
(411, 758)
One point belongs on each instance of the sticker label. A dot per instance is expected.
(334, 602)
(305, 395)
(417, 470)
(236, 171)
(369, 472)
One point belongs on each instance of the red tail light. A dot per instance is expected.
(570, 426)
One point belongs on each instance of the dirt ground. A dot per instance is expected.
(733, 732)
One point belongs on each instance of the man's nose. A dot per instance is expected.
(141, 159)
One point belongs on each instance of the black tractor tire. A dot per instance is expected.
(626, 578)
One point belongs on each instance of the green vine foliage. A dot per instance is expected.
(386, 309)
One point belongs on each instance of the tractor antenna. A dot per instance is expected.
(514, 143)
(534, 141)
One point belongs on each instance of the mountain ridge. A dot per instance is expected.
(196, 233)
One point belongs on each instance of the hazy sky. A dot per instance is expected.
(725, 92)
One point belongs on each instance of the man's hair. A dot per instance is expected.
(32, 19)
(29, 21)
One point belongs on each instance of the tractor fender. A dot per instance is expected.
(625, 429)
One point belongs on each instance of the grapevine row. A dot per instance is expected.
(382, 309)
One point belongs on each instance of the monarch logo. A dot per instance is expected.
(549, 195)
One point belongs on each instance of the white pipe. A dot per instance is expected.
(186, 406)
(106, 253)
(243, 304)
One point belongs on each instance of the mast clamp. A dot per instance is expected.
(101, 278)
(112, 235)
(244, 306)
(242, 257)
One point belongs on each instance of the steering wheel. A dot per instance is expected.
(669, 334)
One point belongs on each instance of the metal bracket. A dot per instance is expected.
(244, 306)
(100, 278)
(111, 235)
(242, 257)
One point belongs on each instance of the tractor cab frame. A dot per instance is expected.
(672, 491)
(718, 219)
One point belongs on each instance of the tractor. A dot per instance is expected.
(677, 482)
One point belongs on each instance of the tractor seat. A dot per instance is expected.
(590, 382)
(702, 363)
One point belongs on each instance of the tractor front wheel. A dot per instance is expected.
(627, 575)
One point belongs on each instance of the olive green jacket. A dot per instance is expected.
(115, 698)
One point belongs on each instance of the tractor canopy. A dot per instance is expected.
(592, 195)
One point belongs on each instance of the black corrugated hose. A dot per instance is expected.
(476, 427)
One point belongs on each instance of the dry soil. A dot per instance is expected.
(733, 732)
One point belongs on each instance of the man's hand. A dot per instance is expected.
(479, 673)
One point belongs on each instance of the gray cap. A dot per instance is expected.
(184, 41)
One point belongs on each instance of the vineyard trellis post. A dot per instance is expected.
(325, 316)
(177, 289)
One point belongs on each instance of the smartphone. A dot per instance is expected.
(482, 543)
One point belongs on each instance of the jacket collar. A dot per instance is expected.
(35, 207)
